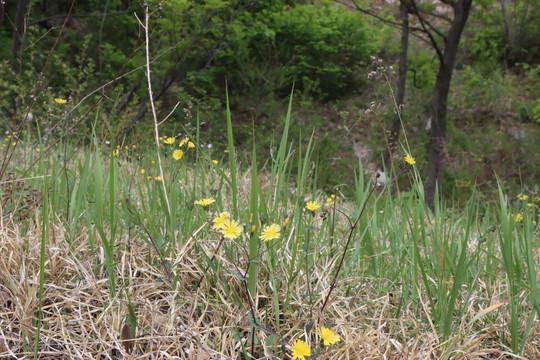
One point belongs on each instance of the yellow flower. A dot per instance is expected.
(158, 178)
(231, 229)
(529, 204)
(60, 101)
(183, 142)
(300, 349)
(328, 336)
(149, 177)
(253, 227)
(286, 222)
(271, 232)
(204, 202)
(522, 197)
(177, 154)
(169, 141)
(215, 162)
(519, 218)
(312, 206)
(409, 159)
(220, 219)
(134, 146)
(190, 145)
(126, 147)
(142, 171)
(38, 150)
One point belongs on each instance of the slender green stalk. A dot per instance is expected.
(232, 162)
(254, 220)
(44, 240)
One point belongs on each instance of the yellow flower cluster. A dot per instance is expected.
(331, 200)
(300, 349)
(229, 228)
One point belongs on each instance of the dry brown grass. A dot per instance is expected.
(82, 321)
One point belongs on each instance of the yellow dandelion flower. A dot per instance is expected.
(177, 154)
(169, 140)
(183, 142)
(300, 349)
(190, 145)
(523, 197)
(204, 202)
(253, 227)
(149, 177)
(271, 232)
(134, 146)
(286, 222)
(215, 162)
(519, 218)
(219, 220)
(409, 160)
(158, 178)
(60, 100)
(328, 336)
(312, 206)
(38, 150)
(530, 204)
(231, 229)
(142, 171)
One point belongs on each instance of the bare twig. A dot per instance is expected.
(152, 105)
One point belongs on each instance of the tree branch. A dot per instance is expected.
(61, 16)
(429, 34)
(386, 21)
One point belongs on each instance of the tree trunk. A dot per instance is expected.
(19, 29)
(437, 135)
(400, 92)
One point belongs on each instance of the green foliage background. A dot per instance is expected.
(259, 49)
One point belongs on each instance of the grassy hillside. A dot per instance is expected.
(183, 250)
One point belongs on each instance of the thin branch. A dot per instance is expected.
(429, 34)
(386, 21)
(430, 25)
(153, 106)
(59, 16)
(453, 4)
(168, 116)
